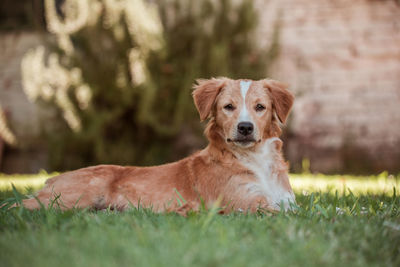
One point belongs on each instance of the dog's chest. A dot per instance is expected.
(267, 167)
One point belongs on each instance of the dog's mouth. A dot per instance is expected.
(243, 142)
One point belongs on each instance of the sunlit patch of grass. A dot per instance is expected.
(301, 183)
(24, 182)
(373, 184)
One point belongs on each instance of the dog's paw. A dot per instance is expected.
(183, 210)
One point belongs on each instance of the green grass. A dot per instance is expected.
(340, 221)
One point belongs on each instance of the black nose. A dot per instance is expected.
(245, 128)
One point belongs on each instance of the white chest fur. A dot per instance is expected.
(270, 171)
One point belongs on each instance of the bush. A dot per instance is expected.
(120, 74)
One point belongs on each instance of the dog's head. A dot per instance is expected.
(242, 112)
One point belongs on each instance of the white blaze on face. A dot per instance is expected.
(244, 113)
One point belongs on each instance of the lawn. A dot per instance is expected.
(340, 221)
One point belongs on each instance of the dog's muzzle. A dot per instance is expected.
(244, 135)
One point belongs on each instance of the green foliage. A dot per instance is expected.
(328, 228)
(128, 123)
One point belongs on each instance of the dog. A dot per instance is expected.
(241, 169)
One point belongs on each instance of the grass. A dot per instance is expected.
(340, 220)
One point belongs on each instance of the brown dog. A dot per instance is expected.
(241, 168)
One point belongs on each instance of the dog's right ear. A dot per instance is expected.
(204, 95)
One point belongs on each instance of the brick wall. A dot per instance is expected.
(342, 59)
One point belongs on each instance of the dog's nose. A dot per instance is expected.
(245, 128)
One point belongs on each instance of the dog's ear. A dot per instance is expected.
(204, 95)
(282, 99)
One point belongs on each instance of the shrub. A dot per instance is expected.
(120, 73)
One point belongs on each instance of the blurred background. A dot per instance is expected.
(85, 82)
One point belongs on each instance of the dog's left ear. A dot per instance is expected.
(282, 99)
(204, 95)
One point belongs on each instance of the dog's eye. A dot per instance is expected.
(229, 107)
(259, 107)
